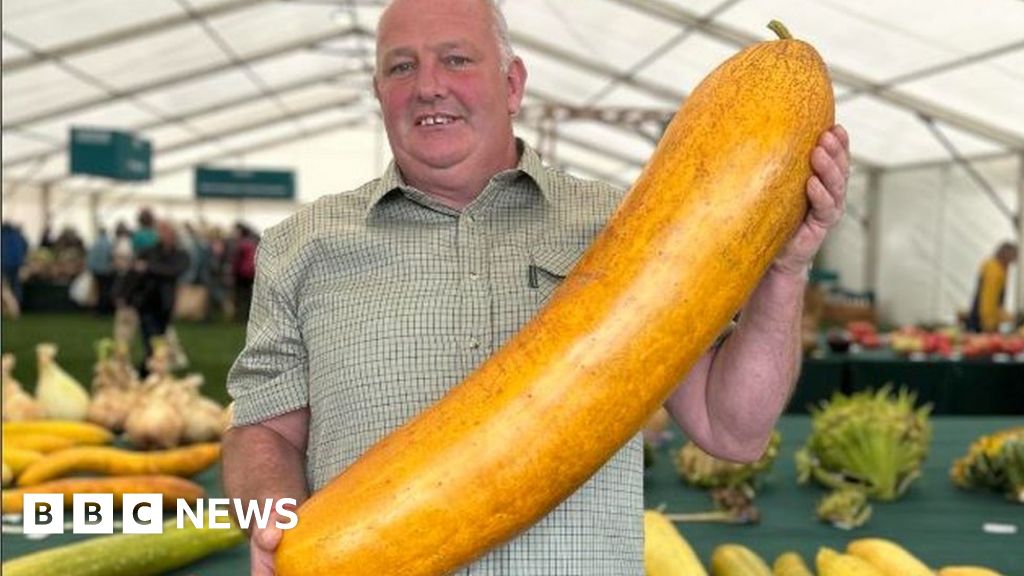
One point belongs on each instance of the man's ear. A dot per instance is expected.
(516, 77)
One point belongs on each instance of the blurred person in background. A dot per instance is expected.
(218, 270)
(126, 320)
(69, 244)
(243, 268)
(99, 261)
(987, 311)
(145, 234)
(198, 250)
(153, 288)
(15, 247)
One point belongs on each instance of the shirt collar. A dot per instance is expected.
(530, 164)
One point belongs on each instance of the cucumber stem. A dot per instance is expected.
(780, 29)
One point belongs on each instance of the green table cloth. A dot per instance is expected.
(939, 523)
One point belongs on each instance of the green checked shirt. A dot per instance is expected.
(370, 305)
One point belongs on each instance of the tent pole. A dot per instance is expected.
(1020, 235)
(45, 199)
(873, 230)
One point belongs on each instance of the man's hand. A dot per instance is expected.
(262, 545)
(826, 194)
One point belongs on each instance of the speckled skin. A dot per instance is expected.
(185, 461)
(721, 195)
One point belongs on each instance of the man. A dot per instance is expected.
(989, 294)
(99, 260)
(15, 249)
(154, 287)
(370, 305)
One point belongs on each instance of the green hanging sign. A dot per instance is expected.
(110, 153)
(256, 184)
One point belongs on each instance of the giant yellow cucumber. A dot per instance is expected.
(722, 193)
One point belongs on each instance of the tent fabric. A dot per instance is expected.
(286, 84)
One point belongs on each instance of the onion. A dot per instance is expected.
(155, 421)
(60, 394)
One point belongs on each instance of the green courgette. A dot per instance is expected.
(127, 554)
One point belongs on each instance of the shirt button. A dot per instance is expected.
(474, 344)
(474, 276)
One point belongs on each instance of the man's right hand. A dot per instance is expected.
(262, 544)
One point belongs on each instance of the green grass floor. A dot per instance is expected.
(211, 347)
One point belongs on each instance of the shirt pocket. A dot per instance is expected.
(549, 265)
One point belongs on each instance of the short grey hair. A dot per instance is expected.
(501, 34)
(499, 26)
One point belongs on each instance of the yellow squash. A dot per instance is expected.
(171, 487)
(737, 560)
(79, 432)
(832, 563)
(722, 193)
(889, 557)
(185, 462)
(666, 553)
(790, 564)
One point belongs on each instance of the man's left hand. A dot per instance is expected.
(826, 195)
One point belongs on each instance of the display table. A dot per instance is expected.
(47, 296)
(940, 523)
(974, 387)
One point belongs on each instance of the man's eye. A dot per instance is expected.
(456, 61)
(400, 68)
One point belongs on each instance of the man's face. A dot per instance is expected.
(446, 102)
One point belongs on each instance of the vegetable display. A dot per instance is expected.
(172, 488)
(722, 193)
(186, 461)
(870, 441)
(996, 462)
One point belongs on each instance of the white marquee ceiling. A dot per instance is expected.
(215, 79)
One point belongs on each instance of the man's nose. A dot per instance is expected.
(430, 83)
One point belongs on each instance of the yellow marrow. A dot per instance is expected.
(186, 461)
(722, 193)
(889, 557)
(172, 488)
(666, 552)
(79, 432)
(737, 560)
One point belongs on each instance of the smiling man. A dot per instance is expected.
(370, 305)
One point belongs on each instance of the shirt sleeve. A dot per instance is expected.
(270, 376)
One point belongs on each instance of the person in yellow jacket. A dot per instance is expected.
(987, 309)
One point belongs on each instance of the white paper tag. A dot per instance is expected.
(999, 528)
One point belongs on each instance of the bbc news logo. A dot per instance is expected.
(144, 513)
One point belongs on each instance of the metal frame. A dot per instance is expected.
(670, 12)
(736, 37)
